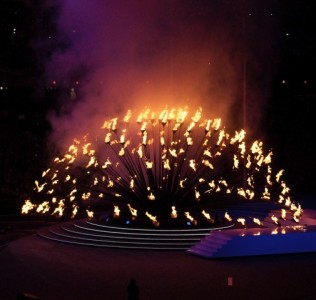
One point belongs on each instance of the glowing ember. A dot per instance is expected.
(148, 165)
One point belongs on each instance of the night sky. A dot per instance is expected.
(65, 65)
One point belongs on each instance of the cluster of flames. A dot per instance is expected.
(159, 164)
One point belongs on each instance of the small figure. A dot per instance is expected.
(133, 290)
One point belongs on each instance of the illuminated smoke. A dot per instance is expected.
(126, 53)
(136, 54)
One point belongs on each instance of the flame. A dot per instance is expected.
(196, 118)
(257, 221)
(45, 172)
(39, 187)
(128, 116)
(90, 214)
(43, 207)
(190, 218)
(216, 124)
(286, 189)
(274, 231)
(27, 206)
(275, 219)
(239, 137)
(174, 213)
(153, 219)
(116, 211)
(297, 214)
(236, 162)
(59, 210)
(266, 194)
(166, 155)
(242, 221)
(208, 217)
(74, 211)
(132, 210)
(151, 196)
(228, 217)
(278, 175)
(220, 137)
(86, 196)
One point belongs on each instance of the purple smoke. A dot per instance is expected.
(129, 54)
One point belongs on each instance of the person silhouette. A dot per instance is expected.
(133, 290)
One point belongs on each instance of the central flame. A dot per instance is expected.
(148, 165)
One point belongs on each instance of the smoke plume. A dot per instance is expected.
(133, 54)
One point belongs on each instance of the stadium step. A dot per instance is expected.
(90, 233)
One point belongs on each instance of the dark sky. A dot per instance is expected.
(140, 51)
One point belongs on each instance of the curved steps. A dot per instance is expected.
(90, 233)
(102, 234)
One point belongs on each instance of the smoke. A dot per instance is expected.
(133, 54)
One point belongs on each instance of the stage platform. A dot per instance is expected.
(287, 237)
(257, 241)
(228, 240)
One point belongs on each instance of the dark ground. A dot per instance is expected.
(57, 271)
(54, 271)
